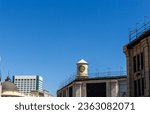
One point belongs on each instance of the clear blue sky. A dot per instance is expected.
(48, 37)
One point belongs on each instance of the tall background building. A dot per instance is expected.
(26, 84)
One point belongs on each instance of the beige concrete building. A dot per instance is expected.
(85, 86)
(138, 65)
(43, 93)
(9, 89)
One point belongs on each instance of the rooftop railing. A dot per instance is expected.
(95, 75)
(138, 31)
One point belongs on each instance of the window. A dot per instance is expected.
(134, 63)
(70, 92)
(60, 94)
(142, 86)
(142, 61)
(138, 62)
(135, 88)
(96, 89)
(64, 93)
(139, 88)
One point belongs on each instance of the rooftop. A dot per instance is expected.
(95, 76)
(139, 30)
(138, 39)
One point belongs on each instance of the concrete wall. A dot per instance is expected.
(114, 88)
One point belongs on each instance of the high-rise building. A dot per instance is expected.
(26, 84)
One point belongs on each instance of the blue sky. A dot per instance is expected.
(48, 37)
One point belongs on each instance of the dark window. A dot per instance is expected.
(134, 63)
(142, 61)
(64, 93)
(96, 89)
(139, 88)
(138, 62)
(135, 88)
(142, 86)
(70, 92)
(60, 95)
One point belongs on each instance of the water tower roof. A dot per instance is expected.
(82, 61)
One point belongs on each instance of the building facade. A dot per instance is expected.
(26, 84)
(9, 89)
(43, 93)
(138, 66)
(85, 86)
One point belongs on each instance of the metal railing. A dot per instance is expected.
(94, 75)
(107, 74)
(138, 31)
